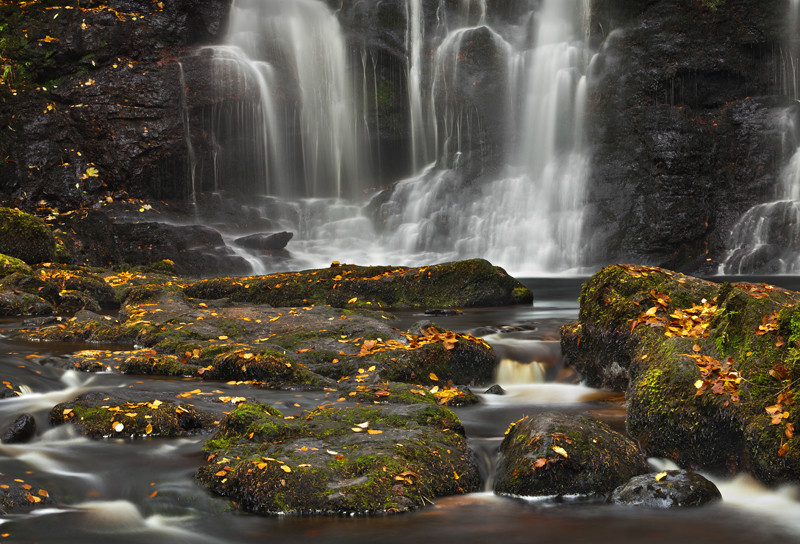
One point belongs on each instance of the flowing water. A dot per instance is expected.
(118, 490)
(499, 175)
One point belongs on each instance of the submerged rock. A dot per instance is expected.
(276, 240)
(496, 389)
(553, 454)
(21, 430)
(363, 461)
(709, 370)
(669, 489)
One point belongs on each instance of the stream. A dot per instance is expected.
(118, 490)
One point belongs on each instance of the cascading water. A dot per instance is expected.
(494, 122)
(767, 237)
(291, 57)
(527, 215)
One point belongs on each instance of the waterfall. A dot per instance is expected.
(527, 217)
(494, 123)
(288, 57)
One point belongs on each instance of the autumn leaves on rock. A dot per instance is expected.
(384, 442)
(709, 370)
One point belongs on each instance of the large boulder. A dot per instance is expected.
(551, 454)
(343, 461)
(708, 370)
(468, 283)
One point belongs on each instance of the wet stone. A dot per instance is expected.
(669, 489)
(22, 430)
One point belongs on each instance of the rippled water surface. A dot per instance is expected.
(121, 491)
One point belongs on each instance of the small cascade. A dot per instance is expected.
(510, 372)
(188, 135)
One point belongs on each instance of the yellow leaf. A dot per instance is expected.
(286, 468)
(148, 429)
(374, 431)
(660, 476)
(363, 425)
(433, 377)
(698, 384)
(561, 451)
(92, 172)
(352, 300)
(357, 429)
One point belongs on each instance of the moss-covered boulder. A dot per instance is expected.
(668, 489)
(457, 284)
(105, 415)
(710, 371)
(552, 454)
(25, 237)
(10, 265)
(363, 461)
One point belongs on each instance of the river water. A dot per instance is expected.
(134, 491)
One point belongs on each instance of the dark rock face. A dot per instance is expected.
(670, 489)
(685, 117)
(96, 101)
(557, 454)
(21, 430)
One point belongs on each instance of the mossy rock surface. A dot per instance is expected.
(553, 454)
(344, 461)
(300, 347)
(710, 371)
(9, 265)
(105, 415)
(25, 237)
(450, 285)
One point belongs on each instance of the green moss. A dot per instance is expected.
(10, 265)
(25, 237)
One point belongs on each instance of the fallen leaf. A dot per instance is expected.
(561, 451)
